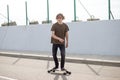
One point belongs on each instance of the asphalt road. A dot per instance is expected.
(12, 68)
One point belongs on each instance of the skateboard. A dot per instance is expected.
(59, 72)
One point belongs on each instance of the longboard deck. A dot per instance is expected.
(59, 72)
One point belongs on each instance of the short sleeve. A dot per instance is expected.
(53, 27)
(67, 28)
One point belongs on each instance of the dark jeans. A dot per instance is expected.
(62, 52)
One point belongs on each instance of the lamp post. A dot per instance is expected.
(74, 10)
(8, 14)
(26, 13)
(47, 11)
(109, 10)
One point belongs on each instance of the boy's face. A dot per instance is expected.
(59, 18)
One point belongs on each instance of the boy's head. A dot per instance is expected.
(60, 16)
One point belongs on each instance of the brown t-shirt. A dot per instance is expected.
(60, 31)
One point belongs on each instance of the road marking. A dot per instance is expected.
(6, 78)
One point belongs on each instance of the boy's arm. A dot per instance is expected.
(56, 37)
(66, 36)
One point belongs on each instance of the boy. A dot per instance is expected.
(59, 39)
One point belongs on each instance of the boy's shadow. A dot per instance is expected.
(58, 76)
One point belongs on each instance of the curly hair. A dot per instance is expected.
(60, 15)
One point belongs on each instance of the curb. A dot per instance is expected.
(68, 59)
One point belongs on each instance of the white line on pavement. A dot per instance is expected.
(6, 78)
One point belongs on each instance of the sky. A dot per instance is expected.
(37, 10)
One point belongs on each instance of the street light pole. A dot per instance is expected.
(109, 10)
(74, 10)
(47, 11)
(8, 14)
(26, 13)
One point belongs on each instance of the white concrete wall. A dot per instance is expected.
(97, 37)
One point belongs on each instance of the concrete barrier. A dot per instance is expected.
(91, 37)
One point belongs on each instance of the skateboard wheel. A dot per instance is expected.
(69, 72)
(53, 70)
(48, 71)
(64, 73)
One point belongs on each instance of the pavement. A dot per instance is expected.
(21, 66)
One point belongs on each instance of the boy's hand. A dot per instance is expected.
(61, 40)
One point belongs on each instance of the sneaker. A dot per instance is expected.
(55, 68)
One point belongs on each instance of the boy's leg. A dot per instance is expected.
(54, 53)
(62, 50)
